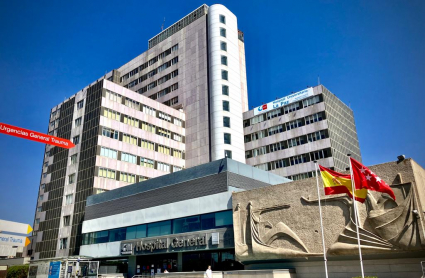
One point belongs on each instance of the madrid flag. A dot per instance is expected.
(366, 179)
(337, 183)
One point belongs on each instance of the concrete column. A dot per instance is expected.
(131, 266)
(180, 261)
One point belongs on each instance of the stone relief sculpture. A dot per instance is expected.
(264, 234)
(388, 226)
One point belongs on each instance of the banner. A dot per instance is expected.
(284, 101)
(35, 136)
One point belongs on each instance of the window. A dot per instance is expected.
(275, 130)
(259, 151)
(164, 132)
(318, 135)
(294, 124)
(224, 60)
(71, 179)
(143, 178)
(296, 141)
(225, 90)
(136, 232)
(145, 162)
(68, 199)
(163, 167)
(159, 228)
(41, 197)
(320, 154)
(273, 114)
(177, 153)
(67, 220)
(108, 152)
(127, 138)
(125, 177)
(73, 159)
(39, 209)
(226, 121)
(106, 173)
(177, 137)
(43, 186)
(164, 149)
(148, 110)
(78, 122)
(311, 101)
(148, 127)
(63, 243)
(222, 32)
(148, 145)
(298, 159)
(131, 121)
(111, 114)
(291, 108)
(314, 118)
(227, 153)
(223, 46)
(110, 133)
(226, 105)
(37, 221)
(128, 158)
(224, 75)
(227, 138)
(131, 103)
(76, 140)
(164, 117)
(223, 218)
(177, 122)
(177, 168)
(113, 96)
(222, 19)
(187, 224)
(80, 104)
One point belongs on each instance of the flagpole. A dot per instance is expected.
(321, 221)
(356, 219)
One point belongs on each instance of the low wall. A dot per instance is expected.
(388, 268)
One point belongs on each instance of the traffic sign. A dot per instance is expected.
(12, 240)
(35, 136)
(14, 227)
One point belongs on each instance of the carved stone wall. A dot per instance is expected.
(282, 222)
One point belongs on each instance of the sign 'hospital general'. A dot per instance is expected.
(284, 101)
(35, 136)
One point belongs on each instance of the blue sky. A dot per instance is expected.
(371, 54)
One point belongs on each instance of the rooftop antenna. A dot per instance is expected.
(162, 26)
(318, 80)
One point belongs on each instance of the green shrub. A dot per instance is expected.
(17, 271)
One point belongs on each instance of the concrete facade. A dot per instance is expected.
(287, 140)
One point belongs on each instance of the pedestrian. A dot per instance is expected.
(208, 272)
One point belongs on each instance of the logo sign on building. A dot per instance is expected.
(215, 238)
(35, 136)
(284, 101)
(54, 269)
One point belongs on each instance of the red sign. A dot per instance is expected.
(35, 136)
(264, 107)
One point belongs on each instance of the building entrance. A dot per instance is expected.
(218, 260)
(156, 263)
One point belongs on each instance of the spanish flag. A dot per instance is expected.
(337, 183)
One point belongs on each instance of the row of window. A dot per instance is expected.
(160, 80)
(283, 110)
(172, 101)
(130, 139)
(285, 127)
(292, 142)
(165, 91)
(294, 160)
(302, 176)
(145, 162)
(152, 73)
(150, 62)
(142, 107)
(175, 226)
(114, 115)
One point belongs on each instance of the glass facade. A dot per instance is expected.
(175, 226)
